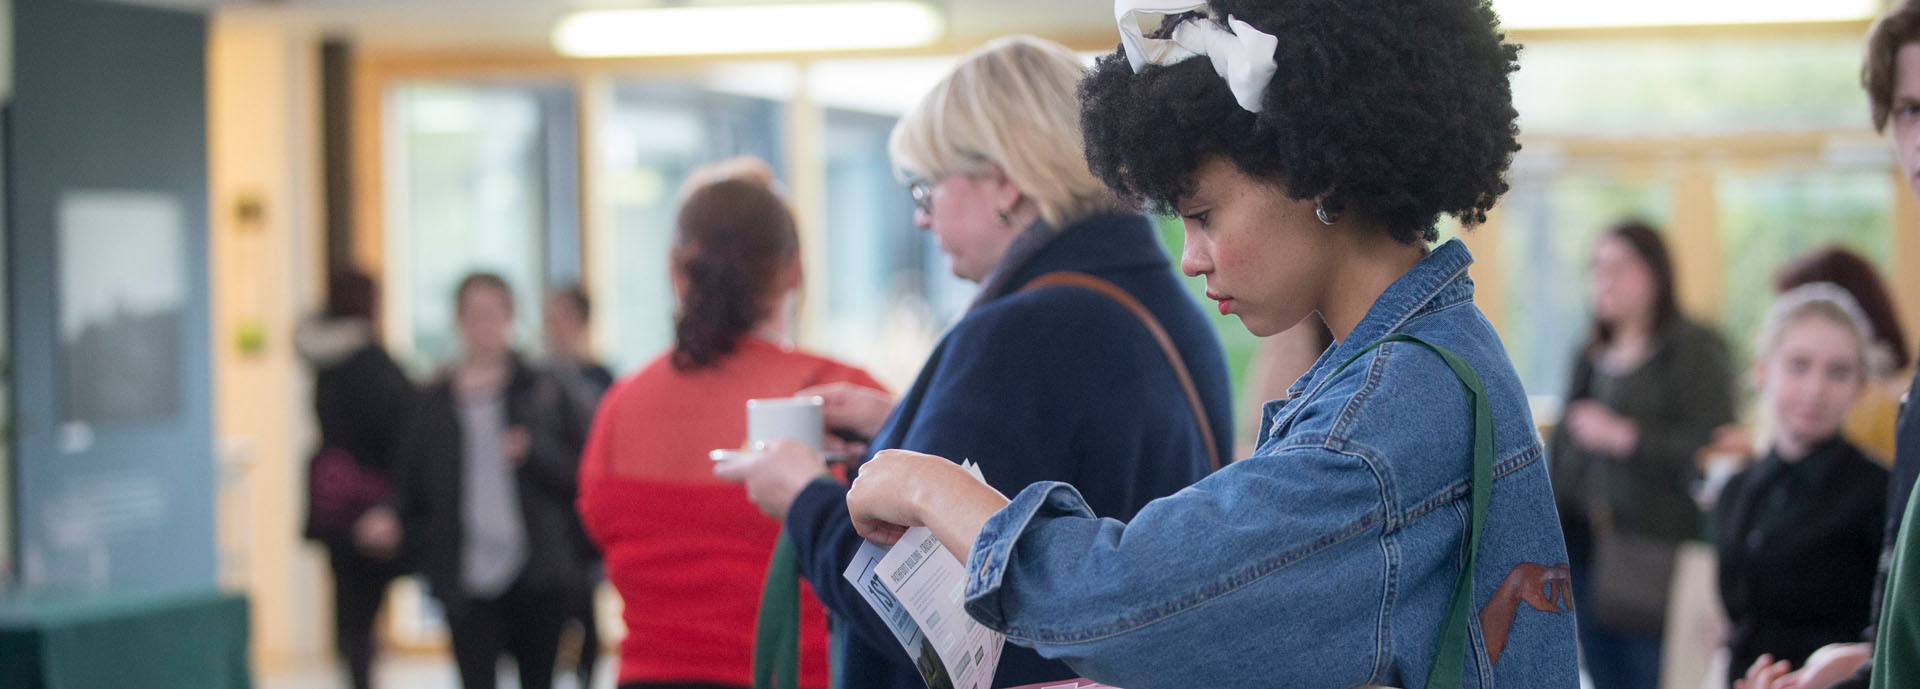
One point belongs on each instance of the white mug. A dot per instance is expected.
(787, 418)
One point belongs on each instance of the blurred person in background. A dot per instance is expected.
(568, 316)
(360, 400)
(1052, 384)
(486, 497)
(582, 381)
(1889, 656)
(1798, 532)
(687, 553)
(1872, 425)
(1647, 393)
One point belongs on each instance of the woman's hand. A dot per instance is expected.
(851, 407)
(377, 533)
(1595, 427)
(1765, 674)
(897, 490)
(775, 475)
(1827, 666)
(881, 500)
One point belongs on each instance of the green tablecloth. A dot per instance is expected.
(188, 641)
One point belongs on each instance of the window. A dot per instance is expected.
(890, 290)
(654, 137)
(1770, 217)
(1552, 221)
(467, 191)
(1662, 86)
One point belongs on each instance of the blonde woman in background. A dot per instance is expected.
(1798, 532)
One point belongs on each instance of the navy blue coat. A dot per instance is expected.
(1058, 384)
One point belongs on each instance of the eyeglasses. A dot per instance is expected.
(922, 192)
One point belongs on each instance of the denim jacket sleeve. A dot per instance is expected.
(1286, 555)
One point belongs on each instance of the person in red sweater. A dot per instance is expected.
(687, 552)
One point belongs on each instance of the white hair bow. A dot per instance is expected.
(1240, 53)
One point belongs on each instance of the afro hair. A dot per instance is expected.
(1398, 110)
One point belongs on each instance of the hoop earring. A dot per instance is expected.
(1321, 213)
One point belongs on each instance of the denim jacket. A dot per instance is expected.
(1327, 559)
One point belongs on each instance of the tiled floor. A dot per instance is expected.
(416, 672)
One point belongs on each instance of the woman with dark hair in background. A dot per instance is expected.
(1647, 393)
(486, 497)
(360, 399)
(686, 551)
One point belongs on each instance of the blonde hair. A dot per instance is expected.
(1837, 305)
(1013, 103)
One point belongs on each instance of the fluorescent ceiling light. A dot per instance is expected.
(848, 84)
(731, 29)
(1565, 14)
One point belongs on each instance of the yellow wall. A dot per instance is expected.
(1905, 277)
(263, 106)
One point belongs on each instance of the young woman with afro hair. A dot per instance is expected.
(1395, 526)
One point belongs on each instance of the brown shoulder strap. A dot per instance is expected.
(1112, 291)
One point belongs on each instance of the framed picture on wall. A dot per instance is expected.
(123, 290)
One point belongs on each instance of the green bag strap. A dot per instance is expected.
(1449, 656)
(776, 638)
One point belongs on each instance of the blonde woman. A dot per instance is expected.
(1060, 383)
(1798, 532)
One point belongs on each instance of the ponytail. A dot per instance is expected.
(732, 239)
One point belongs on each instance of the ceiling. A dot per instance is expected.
(522, 25)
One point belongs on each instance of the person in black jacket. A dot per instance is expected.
(486, 494)
(359, 398)
(583, 381)
(1798, 532)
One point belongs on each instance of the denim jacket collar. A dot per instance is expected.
(1437, 281)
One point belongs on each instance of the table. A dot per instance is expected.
(161, 641)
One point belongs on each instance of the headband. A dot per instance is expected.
(1240, 53)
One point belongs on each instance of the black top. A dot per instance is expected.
(599, 374)
(1798, 544)
(429, 496)
(582, 386)
(360, 399)
(360, 404)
